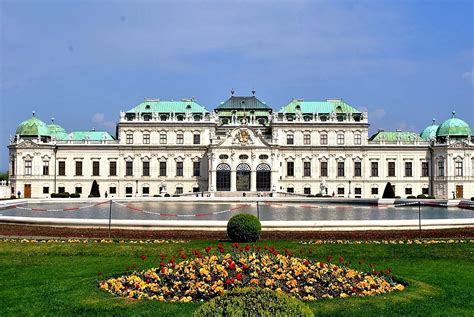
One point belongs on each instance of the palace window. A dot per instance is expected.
(441, 168)
(128, 168)
(61, 168)
(179, 138)
(324, 169)
(340, 191)
(243, 157)
(28, 167)
(307, 169)
(113, 168)
(45, 190)
(61, 189)
(78, 168)
(145, 190)
(179, 190)
(307, 139)
(340, 139)
(129, 190)
(112, 190)
(357, 169)
(408, 191)
(146, 138)
(95, 168)
(263, 157)
(146, 168)
(425, 172)
(13, 168)
(290, 139)
(290, 169)
(323, 139)
(290, 190)
(391, 169)
(78, 190)
(162, 168)
(196, 168)
(223, 157)
(458, 167)
(340, 169)
(196, 138)
(163, 139)
(357, 139)
(179, 168)
(129, 138)
(408, 169)
(358, 191)
(374, 190)
(307, 191)
(374, 169)
(45, 167)
(425, 191)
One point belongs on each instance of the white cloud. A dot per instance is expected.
(469, 76)
(99, 118)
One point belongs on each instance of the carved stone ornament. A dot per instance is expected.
(243, 136)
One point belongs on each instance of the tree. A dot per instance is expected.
(388, 192)
(4, 176)
(95, 190)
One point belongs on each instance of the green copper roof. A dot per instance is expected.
(154, 105)
(393, 136)
(242, 113)
(89, 135)
(454, 127)
(57, 131)
(241, 103)
(429, 132)
(33, 127)
(329, 106)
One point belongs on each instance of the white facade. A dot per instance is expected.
(328, 154)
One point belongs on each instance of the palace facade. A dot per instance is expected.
(179, 147)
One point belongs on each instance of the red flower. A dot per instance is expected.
(353, 290)
(172, 260)
(128, 268)
(306, 262)
(247, 247)
(100, 273)
(183, 256)
(219, 246)
(143, 257)
(245, 266)
(163, 270)
(162, 263)
(310, 251)
(134, 265)
(232, 265)
(321, 264)
(228, 281)
(162, 256)
(239, 276)
(328, 258)
(341, 259)
(222, 250)
(259, 248)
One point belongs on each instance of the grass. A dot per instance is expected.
(40, 279)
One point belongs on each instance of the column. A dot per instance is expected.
(253, 181)
(233, 181)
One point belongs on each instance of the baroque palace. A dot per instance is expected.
(178, 147)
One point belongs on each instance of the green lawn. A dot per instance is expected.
(60, 278)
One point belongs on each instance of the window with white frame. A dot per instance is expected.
(196, 138)
(307, 139)
(357, 139)
(129, 138)
(458, 168)
(179, 138)
(441, 168)
(323, 139)
(146, 138)
(163, 138)
(45, 167)
(340, 138)
(28, 167)
(290, 138)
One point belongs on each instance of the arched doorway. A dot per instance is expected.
(223, 177)
(243, 177)
(264, 179)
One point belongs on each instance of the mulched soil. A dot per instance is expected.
(8, 230)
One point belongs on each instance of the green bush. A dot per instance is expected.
(319, 195)
(75, 195)
(60, 195)
(244, 228)
(12, 197)
(430, 197)
(411, 197)
(253, 302)
(421, 196)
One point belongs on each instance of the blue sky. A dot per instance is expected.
(82, 62)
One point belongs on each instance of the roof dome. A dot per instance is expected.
(57, 131)
(33, 127)
(454, 127)
(429, 132)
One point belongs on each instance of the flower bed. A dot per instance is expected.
(207, 275)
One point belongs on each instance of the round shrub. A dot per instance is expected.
(253, 302)
(411, 197)
(421, 196)
(244, 228)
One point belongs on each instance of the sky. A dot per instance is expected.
(81, 62)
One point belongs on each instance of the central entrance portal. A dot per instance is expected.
(264, 177)
(223, 177)
(243, 177)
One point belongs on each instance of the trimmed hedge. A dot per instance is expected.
(244, 228)
(253, 302)
(60, 195)
(75, 195)
(411, 197)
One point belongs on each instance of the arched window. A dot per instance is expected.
(243, 167)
